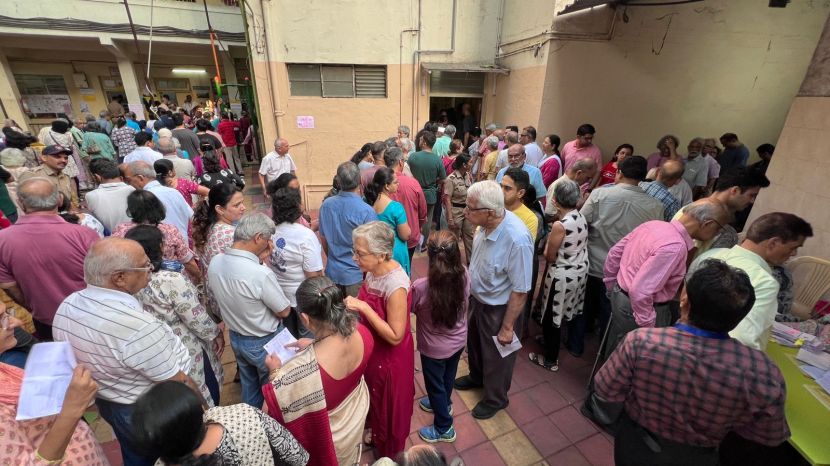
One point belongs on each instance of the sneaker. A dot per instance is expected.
(425, 405)
(430, 435)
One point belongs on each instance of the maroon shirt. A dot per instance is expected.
(44, 255)
(226, 130)
(411, 196)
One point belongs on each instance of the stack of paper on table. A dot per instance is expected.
(788, 336)
(48, 372)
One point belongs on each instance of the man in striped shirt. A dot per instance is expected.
(127, 350)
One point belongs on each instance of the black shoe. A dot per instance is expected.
(465, 383)
(484, 411)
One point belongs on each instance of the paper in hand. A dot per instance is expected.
(506, 350)
(47, 375)
(278, 343)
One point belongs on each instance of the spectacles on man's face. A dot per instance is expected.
(145, 269)
(470, 209)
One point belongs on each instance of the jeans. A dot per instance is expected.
(14, 357)
(118, 416)
(210, 380)
(439, 375)
(250, 359)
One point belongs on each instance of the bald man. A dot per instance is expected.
(276, 163)
(42, 256)
(668, 175)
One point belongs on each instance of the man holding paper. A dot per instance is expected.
(500, 276)
(250, 299)
(126, 349)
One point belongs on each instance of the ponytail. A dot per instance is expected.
(383, 177)
(320, 299)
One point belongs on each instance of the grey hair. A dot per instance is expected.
(378, 235)
(140, 168)
(279, 142)
(450, 131)
(166, 146)
(489, 196)
(252, 225)
(512, 137)
(584, 164)
(12, 157)
(36, 202)
(392, 157)
(404, 129)
(566, 193)
(492, 142)
(705, 211)
(101, 262)
(491, 127)
(102, 114)
(698, 140)
(407, 144)
(348, 176)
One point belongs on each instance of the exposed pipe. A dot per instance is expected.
(400, 77)
(500, 20)
(271, 91)
(416, 55)
(548, 36)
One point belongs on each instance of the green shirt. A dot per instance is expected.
(442, 146)
(427, 168)
(6, 204)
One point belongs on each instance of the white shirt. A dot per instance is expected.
(274, 165)
(247, 292)
(534, 154)
(296, 251)
(178, 212)
(142, 154)
(501, 160)
(682, 192)
(108, 203)
(126, 349)
(184, 168)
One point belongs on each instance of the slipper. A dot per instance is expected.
(539, 360)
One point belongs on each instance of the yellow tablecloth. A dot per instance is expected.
(809, 419)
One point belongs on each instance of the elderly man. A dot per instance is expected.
(611, 213)
(141, 175)
(533, 151)
(427, 168)
(184, 167)
(644, 270)
(682, 389)
(410, 195)
(511, 138)
(108, 202)
(403, 132)
(250, 299)
(771, 240)
(54, 160)
(696, 171)
(42, 255)
(581, 173)
(517, 158)
(275, 163)
(582, 147)
(339, 215)
(668, 175)
(442, 145)
(126, 349)
(487, 163)
(144, 150)
(500, 277)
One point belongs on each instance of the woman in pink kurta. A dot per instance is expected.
(382, 304)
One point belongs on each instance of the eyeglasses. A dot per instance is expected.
(145, 269)
(357, 253)
(720, 226)
(468, 209)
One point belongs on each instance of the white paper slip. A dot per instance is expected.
(506, 350)
(48, 372)
(278, 343)
(824, 382)
(819, 359)
(811, 371)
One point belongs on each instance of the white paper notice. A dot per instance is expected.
(506, 350)
(277, 346)
(48, 372)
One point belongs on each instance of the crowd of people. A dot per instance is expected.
(142, 256)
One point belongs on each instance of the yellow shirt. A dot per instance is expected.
(490, 165)
(529, 218)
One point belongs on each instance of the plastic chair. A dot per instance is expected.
(811, 281)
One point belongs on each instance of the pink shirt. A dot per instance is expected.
(411, 196)
(436, 341)
(649, 264)
(571, 153)
(44, 255)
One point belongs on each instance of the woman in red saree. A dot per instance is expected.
(382, 304)
(320, 394)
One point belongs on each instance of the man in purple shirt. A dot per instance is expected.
(644, 270)
(42, 256)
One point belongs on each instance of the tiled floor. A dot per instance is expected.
(542, 425)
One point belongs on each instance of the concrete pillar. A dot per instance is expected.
(132, 86)
(229, 76)
(10, 95)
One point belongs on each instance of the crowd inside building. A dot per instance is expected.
(131, 241)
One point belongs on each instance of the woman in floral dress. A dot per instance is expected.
(166, 175)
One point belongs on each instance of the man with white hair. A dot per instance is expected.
(250, 299)
(276, 163)
(487, 164)
(403, 132)
(500, 277)
(442, 144)
(184, 168)
(127, 349)
(141, 175)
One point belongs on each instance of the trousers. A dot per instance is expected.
(487, 367)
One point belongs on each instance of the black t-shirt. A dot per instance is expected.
(206, 138)
(210, 180)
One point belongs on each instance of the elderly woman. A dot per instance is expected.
(608, 174)
(567, 253)
(97, 143)
(382, 304)
(334, 364)
(171, 423)
(297, 253)
(144, 208)
(666, 150)
(123, 138)
(174, 300)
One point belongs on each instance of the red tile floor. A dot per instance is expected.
(542, 425)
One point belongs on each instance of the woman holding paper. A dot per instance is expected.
(333, 363)
(382, 303)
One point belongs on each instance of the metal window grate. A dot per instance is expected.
(361, 81)
(370, 81)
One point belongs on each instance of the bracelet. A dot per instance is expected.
(49, 462)
(272, 375)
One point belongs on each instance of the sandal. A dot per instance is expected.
(539, 360)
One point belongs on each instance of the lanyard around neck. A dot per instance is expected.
(702, 333)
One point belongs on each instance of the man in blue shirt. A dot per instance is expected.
(735, 153)
(516, 158)
(339, 216)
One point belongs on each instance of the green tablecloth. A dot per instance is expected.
(809, 419)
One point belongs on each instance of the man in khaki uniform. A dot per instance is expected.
(54, 159)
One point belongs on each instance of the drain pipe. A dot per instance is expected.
(271, 91)
(416, 55)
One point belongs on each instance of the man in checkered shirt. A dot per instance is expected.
(685, 387)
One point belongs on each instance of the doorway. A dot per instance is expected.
(452, 107)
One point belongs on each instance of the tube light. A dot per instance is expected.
(189, 71)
